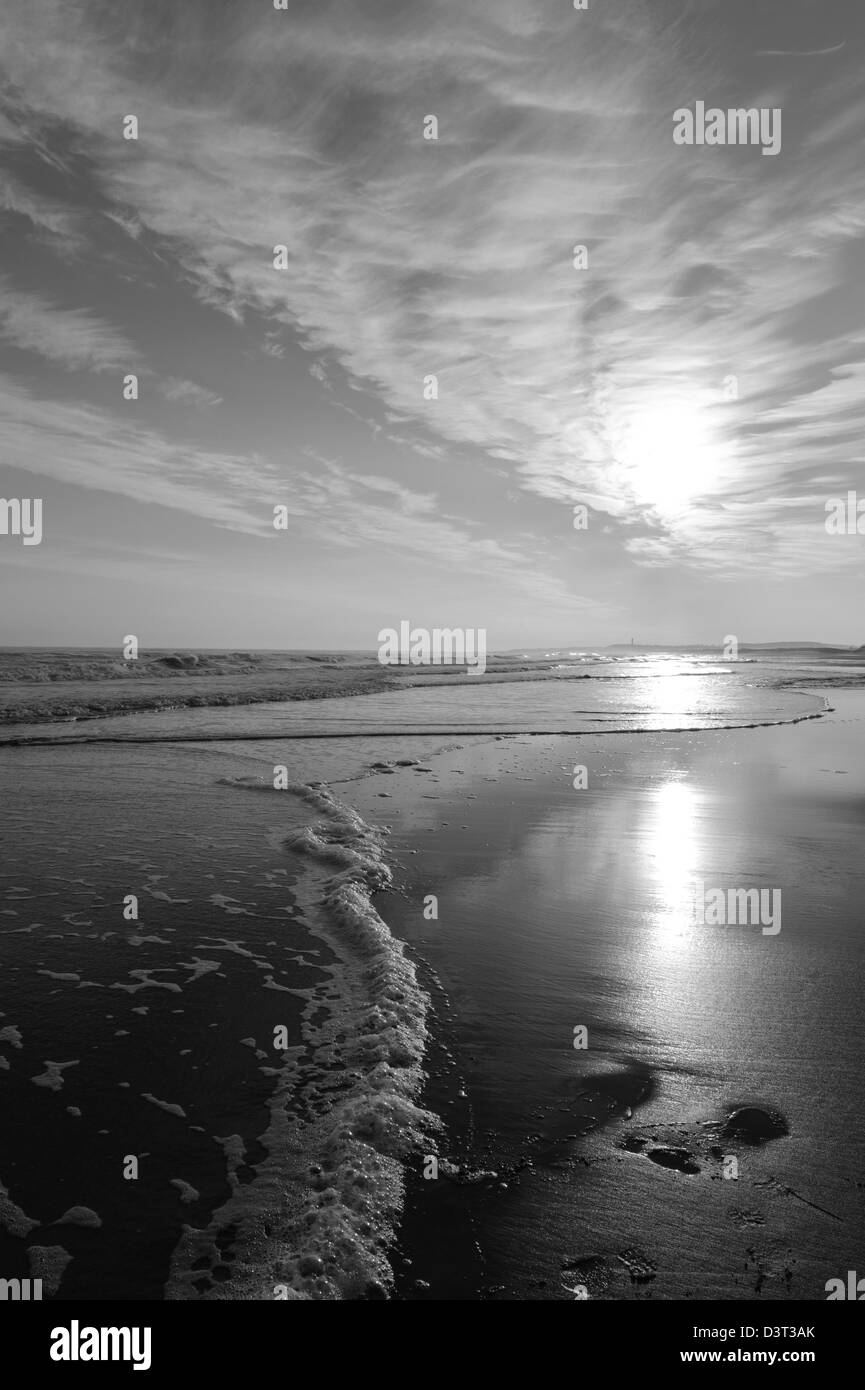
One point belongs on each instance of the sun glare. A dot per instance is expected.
(672, 852)
(670, 456)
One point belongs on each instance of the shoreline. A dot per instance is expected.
(37, 741)
(55, 689)
(700, 723)
(506, 1191)
(549, 911)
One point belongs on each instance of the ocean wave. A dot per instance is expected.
(339, 1170)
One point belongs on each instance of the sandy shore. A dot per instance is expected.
(556, 908)
(78, 684)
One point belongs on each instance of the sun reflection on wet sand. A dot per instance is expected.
(672, 849)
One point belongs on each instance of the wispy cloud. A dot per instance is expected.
(46, 216)
(408, 258)
(89, 448)
(175, 389)
(800, 53)
(76, 338)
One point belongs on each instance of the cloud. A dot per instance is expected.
(76, 338)
(804, 53)
(353, 510)
(10, 134)
(81, 446)
(187, 392)
(47, 217)
(130, 225)
(454, 257)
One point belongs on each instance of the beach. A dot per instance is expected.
(432, 684)
(560, 907)
(433, 918)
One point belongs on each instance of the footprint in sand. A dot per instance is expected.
(591, 1272)
(678, 1159)
(754, 1124)
(747, 1218)
(641, 1269)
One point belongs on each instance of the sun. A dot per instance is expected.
(669, 455)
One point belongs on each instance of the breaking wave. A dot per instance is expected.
(319, 1220)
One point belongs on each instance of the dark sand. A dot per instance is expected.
(38, 685)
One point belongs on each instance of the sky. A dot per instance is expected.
(434, 379)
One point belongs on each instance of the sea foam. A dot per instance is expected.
(319, 1220)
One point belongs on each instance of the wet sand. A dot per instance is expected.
(75, 685)
(154, 1037)
(559, 908)
(39, 685)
